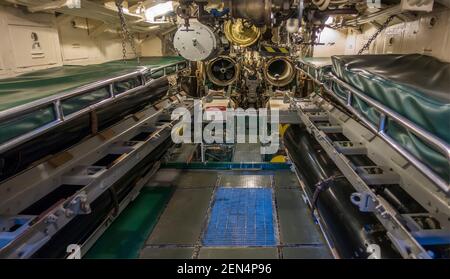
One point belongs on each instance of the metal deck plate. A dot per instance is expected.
(184, 179)
(319, 252)
(241, 217)
(237, 205)
(181, 222)
(245, 180)
(238, 253)
(184, 153)
(295, 220)
(247, 152)
(164, 177)
(286, 179)
(166, 253)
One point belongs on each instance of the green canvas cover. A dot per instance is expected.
(18, 126)
(40, 84)
(415, 86)
(43, 83)
(317, 67)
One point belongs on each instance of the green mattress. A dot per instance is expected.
(41, 84)
(317, 67)
(415, 86)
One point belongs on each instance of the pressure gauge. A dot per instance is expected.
(196, 43)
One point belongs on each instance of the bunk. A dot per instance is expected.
(46, 111)
(382, 120)
(316, 67)
(404, 99)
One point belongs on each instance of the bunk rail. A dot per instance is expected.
(380, 128)
(143, 78)
(37, 230)
(364, 198)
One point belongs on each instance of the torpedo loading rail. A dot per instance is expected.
(116, 88)
(325, 117)
(364, 197)
(326, 81)
(89, 169)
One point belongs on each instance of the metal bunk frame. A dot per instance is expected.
(311, 109)
(380, 129)
(79, 170)
(35, 231)
(145, 75)
(369, 201)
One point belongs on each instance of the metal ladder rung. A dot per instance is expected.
(350, 148)
(426, 236)
(124, 147)
(375, 175)
(318, 116)
(83, 175)
(309, 107)
(330, 129)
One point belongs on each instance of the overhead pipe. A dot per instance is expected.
(371, 17)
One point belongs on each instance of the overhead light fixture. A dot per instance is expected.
(158, 10)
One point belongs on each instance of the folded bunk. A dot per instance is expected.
(316, 67)
(397, 161)
(46, 111)
(405, 99)
(316, 70)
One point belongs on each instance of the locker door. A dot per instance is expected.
(33, 45)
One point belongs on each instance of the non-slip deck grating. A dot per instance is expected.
(241, 217)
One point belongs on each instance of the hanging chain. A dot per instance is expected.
(126, 34)
(374, 36)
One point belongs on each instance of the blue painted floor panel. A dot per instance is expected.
(241, 217)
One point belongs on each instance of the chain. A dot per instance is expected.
(374, 36)
(126, 34)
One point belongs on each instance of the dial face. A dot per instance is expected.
(196, 43)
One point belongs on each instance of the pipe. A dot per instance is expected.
(354, 234)
(346, 11)
(257, 11)
(325, 5)
(394, 10)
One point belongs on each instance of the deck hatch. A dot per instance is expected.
(241, 217)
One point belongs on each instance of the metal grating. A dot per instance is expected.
(241, 217)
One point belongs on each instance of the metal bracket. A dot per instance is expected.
(375, 175)
(364, 201)
(330, 129)
(79, 205)
(318, 116)
(350, 148)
